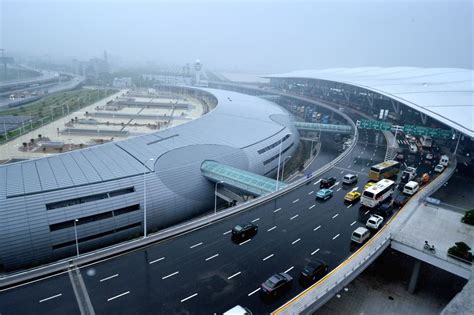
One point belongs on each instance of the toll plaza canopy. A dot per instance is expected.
(444, 94)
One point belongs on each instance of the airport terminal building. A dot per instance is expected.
(99, 191)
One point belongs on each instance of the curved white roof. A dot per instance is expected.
(445, 94)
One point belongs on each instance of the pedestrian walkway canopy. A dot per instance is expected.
(323, 127)
(248, 182)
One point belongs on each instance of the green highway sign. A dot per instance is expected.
(408, 129)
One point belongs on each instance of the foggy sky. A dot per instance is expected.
(265, 36)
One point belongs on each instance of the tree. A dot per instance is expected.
(468, 217)
(40, 136)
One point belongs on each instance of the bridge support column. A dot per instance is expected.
(414, 276)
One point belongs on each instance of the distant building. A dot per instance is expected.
(167, 79)
(122, 82)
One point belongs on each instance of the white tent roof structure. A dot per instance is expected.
(445, 94)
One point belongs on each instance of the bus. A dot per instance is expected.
(387, 169)
(376, 194)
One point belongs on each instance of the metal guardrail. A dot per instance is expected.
(118, 249)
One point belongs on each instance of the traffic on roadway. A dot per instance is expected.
(215, 268)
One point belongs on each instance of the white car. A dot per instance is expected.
(374, 222)
(439, 168)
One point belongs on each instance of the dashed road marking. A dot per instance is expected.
(276, 210)
(296, 200)
(294, 217)
(338, 189)
(170, 275)
(108, 278)
(295, 241)
(311, 207)
(253, 292)
(350, 205)
(255, 220)
(189, 297)
(315, 252)
(289, 269)
(353, 223)
(317, 228)
(336, 236)
(156, 260)
(234, 275)
(196, 245)
(268, 257)
(226, 232)
(366, 212)
(212, 257)
(311, 192)
(117, 296)
(335, 216)
(245, 242)
(50, 298)
(271, 229)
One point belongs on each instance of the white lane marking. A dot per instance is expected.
(255, 220)
(342, 172)
(226, 232)
(253, 292)
(315, 183)
(294, 217)
(338, 189)
(296, 200)
(312, 207)
(317, 228)
(108, 278)
(311, 192)
(349, 166)
(271, 229)
(117, 296)
(295, 241)
(289, 269)
(353, 223)
(371, 159)
(189, 297)
(362, 169)
(212, 257)
(156, 260)
(335, 216)
(366, 212)
(315, 252)
(245, 242)
(196, 245)
(50, 298)
(355, 188)
(268, 257)
(170, 275)
(336, 236)
(337, 183)
(276, 210)
(234, 275)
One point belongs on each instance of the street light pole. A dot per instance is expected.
(278, 167)
(144, 196)
(215, 195)
(75, 233)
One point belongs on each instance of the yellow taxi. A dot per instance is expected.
(352, 196)
(368, 185)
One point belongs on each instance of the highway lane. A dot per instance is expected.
(204, 270)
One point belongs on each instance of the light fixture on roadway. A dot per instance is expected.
(144, 195)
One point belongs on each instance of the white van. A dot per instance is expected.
(350, 179)
(238, 310)
(411, 188)
(360, 235)
(444, 160)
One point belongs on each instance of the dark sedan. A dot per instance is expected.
(244, 231)
(276, 284)
(314, 271)
(327, 182)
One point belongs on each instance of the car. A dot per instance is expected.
(327, 182)
(360, 235)
(324, 194)
(439, 168)
(400, 200)
(429, 156)
(350, 179)
(352, 196)
(369, 184)
(385, 210)
(238, 310)
(408, 174)
(244, 230)
(374, 221)
(276, 284)
(314, 271)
